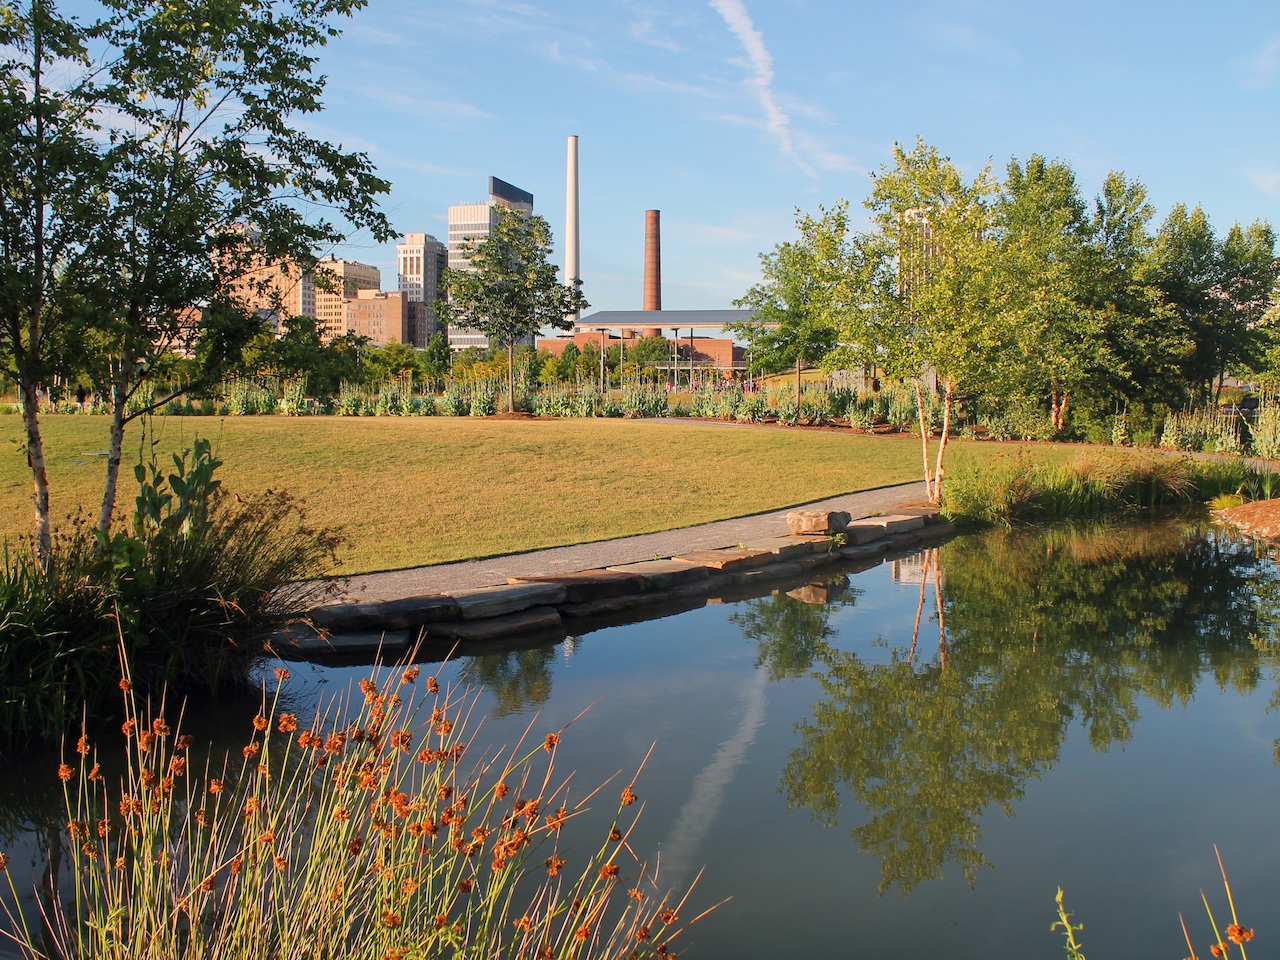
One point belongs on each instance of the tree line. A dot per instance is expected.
(993, 291)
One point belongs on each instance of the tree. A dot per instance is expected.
(931, 288)
(510, 291)
(1042, 231)
(1187, 266)
(147, 188)
(799, 302)
(437, 357)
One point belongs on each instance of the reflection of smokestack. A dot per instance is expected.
(652, 261)
(571, 266)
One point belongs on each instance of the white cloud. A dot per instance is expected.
(760, 65)
(559, 56)
(1262, 68)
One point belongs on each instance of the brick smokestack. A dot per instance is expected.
(652, 261)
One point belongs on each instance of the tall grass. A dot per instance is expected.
(1008, 490)
(371, 832)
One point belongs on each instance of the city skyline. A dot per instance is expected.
(730, 114)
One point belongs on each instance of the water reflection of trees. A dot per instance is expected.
(516, 679)
(1036, 631)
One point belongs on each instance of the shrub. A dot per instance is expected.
(190, 589)
(1264, 432)
(484, 399)
(366, 836)
(644, 401)
(293, 397)
(455, 402)
(753, 409)
(788, 412)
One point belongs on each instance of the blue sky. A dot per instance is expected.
(727, 115)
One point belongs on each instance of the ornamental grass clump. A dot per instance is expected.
(370, 832)
(190, 587)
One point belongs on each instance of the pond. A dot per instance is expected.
(911, 759)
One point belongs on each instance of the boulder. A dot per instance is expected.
(817, 522)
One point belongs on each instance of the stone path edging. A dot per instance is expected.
(451, 608)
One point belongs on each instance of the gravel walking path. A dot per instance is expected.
(466, 574)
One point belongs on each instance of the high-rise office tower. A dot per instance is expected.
(420, 263)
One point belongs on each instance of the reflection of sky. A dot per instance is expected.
(1128, 833)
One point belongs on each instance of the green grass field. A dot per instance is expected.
(411, 491)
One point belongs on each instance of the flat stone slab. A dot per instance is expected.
(585, 586)
(384, 614)
(817, 521)
(898, 522)
(532, 620)
(863, 531)
(484, 603)
(664, 574)
(729, 559)
(784, 548)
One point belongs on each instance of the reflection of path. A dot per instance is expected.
(699, 812)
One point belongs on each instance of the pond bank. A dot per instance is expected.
(457, 608)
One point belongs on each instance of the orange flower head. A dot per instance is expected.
(215, 786)
(501, 790)
(159, 727)
(82, 745)
(4, 863)
(550, 743)
(390, 919)
(1218, 950)
(628, 797)
(433, 685)
(466, 886)
(636, 895)
(65, 773)
(410, 675)
(185, 741)
(250, 751)
(128, 727)
(553, 866)
(287, 723)
(1238, 934)
(125, 685)
(281, 863)
(615, 835)
(259, 723)
(281, 674)
(609, 871)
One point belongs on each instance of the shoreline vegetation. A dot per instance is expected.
(369, 831)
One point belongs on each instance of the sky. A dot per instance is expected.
(729, 115)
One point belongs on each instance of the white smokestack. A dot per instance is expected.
(571, 264)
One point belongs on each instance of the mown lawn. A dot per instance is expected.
(412, 491)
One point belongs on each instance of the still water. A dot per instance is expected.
(910, 759)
